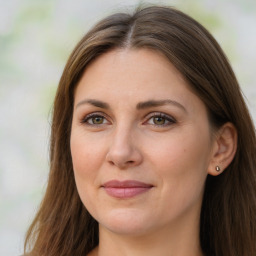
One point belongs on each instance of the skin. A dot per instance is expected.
(173, 153)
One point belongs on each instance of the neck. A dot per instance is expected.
(168, 241)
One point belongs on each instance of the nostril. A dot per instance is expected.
(111, 162)
(124, 157)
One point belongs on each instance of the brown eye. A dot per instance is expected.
(97, 120)
(158, 120)
(161, 120)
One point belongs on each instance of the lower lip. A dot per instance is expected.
(126, 192)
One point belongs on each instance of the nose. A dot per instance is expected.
(123, 151)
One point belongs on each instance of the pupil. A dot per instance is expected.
(98, 120)
(159, 120)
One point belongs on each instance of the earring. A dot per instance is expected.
(217, 168)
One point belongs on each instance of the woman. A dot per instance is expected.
(152, 146)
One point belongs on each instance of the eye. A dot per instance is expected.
(161, 119)
(95, 119)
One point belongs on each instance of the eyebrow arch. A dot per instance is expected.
(157, 103)
(96, 103)
(140, 105)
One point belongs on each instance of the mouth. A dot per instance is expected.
(125, 189)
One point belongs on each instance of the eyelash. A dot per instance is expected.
(168, 120)
(88, 117)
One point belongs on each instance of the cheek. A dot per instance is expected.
(86, 162)
(87, 155)
(182, 162)
(180, 151)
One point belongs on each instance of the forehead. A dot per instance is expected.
(133, 75)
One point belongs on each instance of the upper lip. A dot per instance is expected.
(126, 184)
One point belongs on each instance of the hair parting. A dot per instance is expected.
(63, 226)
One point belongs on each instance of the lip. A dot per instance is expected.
(126, 189)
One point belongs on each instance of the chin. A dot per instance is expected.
(125, 222)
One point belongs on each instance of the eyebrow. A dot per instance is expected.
(158, 103)
(140, 105)
(96, 103)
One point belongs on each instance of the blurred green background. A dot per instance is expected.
(36, 37)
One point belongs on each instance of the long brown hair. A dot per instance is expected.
(63, 226)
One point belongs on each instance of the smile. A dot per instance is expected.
(126, 189)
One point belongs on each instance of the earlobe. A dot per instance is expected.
(224, 149)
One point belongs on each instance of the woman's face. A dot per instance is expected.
(140, 143)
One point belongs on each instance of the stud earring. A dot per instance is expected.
(217, 168)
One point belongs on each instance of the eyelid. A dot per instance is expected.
(169, 118)
(84, 119)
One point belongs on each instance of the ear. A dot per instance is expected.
(224, 149)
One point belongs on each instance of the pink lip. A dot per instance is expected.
(126, 189)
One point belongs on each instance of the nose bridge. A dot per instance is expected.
(122, 140)
(123, 150)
